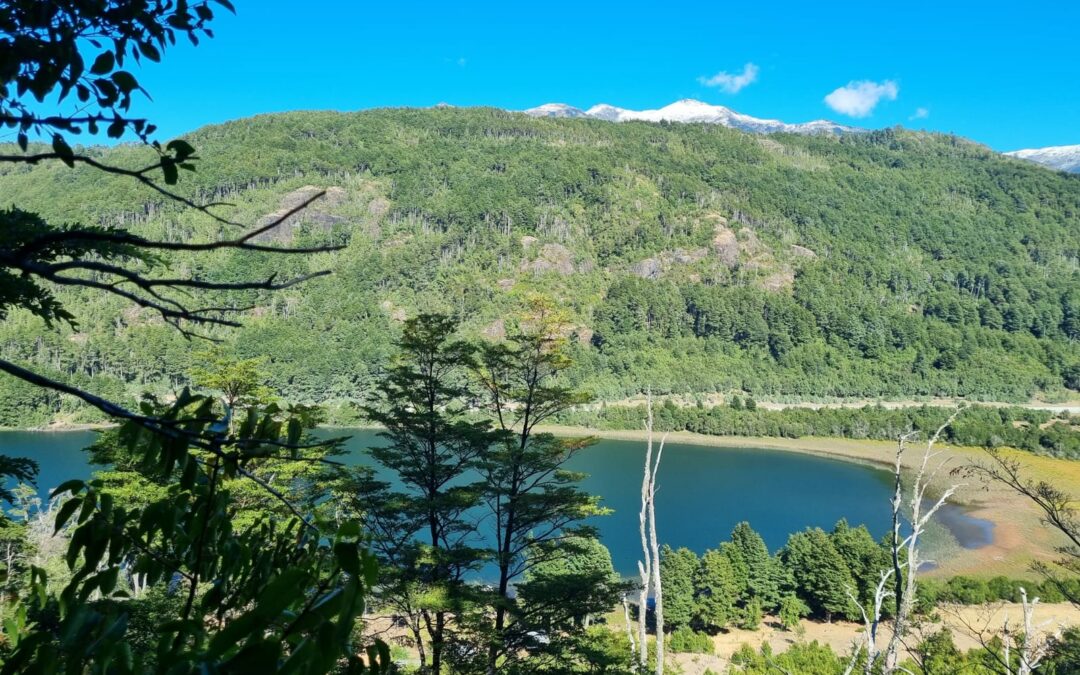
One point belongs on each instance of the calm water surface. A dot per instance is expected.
(702, 492)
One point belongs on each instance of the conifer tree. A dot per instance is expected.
(765, 576)
(678, 567)
(821, 576)
(863, 556)
(717, 590)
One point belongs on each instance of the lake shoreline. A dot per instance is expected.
(1018, 538)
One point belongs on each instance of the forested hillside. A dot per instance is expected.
(691, 257)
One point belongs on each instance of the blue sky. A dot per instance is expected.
(1003, 73)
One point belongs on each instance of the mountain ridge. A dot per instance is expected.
(693, 258)
(690, 110)
(1060, 157)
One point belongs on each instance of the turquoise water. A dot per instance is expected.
(701, 492)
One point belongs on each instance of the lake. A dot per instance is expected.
(702, 492)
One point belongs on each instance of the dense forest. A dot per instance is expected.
(695, 258)
(1037, 431)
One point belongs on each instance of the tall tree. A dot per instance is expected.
(863, 556)
(821, 576)
(575, 581)
(534, 501)
(428, 536)
(717, 590)
(678, 569)
(766, 579)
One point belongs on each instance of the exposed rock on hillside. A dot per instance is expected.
(653, 268)
(552, 258)
(317, 213)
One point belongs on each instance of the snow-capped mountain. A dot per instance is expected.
(689, 110)
(555, 110)
(1061, 157)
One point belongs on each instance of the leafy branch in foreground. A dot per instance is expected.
(272, 588)
(251, 582)
(116, 263)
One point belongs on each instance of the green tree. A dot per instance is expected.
(939, 654)
(751, 615)
(241, 382)
(792, 610)
(822, 578)
(1064, 656)
(427, 530)
(678, 568)
(766, 578)
(534, 501)
(805, 659)
(864, 557)
(283, 589)
(571, 581)
(717, 591)
(597, 650)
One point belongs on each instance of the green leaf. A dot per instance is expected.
(71, 486)
(168, 167)
(103, 63)
(181, 149)
(348, 557)
(280, 593)
(61, 148)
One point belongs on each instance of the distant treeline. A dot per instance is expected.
(1037, 431)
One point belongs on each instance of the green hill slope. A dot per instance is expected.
(692, 258)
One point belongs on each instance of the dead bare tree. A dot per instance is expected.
(905, 552)
(649, 569)
(1033, 642)
(629, 626)
(871, 622)
(1015, 651)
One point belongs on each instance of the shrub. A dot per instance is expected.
(687, 641)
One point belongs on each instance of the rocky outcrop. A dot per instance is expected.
(552, 258)
(317, 213)
(653, 268)
(649, 268)
(724, 243)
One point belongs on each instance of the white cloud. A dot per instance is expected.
(732, 83)
(858, 99)
(920, 114)
(461, 61)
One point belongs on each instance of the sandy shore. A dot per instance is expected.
(970, 626)
(1020, 537)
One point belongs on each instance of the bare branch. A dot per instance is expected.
(137, 174)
